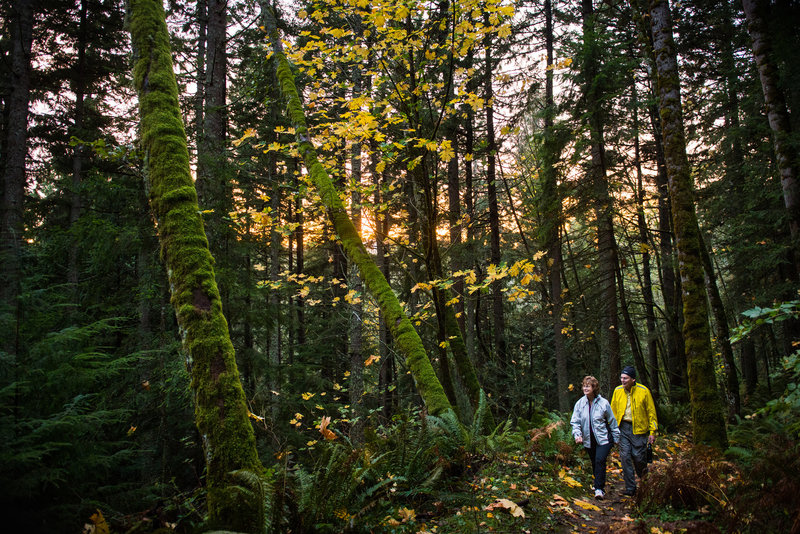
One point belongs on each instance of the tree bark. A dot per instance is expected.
(644, 244)
(778, 116)
(551, 224)
(708, 423)
(213, 189)
(723, 335)
(76, 201)
(21, 22)
(355, 329)
(220, 410)
(382, 225)
(674, 356)
(494, 212)
(606, 243)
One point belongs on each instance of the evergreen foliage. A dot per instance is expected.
(478, 217)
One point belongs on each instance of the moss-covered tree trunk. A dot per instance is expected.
(220, 410)
(406, 338)
(778, 115)
(708, 422)
(674, 356)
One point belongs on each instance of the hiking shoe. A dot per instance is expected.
(599, 494)
(629, 493)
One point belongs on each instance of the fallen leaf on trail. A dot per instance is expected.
(585, 505)
(568, 479)
(511, 506)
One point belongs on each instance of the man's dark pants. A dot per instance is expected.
(632, 454)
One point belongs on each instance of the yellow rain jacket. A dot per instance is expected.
(642, 407)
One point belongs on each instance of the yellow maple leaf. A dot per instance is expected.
(99, 523)
(407, 514)
(585, 505)
(249, 132)
(568, 479)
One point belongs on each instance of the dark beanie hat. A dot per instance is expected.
(630, 371)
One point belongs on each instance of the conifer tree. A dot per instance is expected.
(15, 151)
(707, 419)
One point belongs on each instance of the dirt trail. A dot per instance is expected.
(611, 514)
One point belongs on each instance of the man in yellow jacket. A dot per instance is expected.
(635, 411)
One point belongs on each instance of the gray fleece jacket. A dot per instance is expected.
(601, 413)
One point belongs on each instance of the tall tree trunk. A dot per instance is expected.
(606, 243)
(551, 227)
(201, 14)
(469, 208)
(220, 410)
(16, 130)
(778, 115)
(674, 356)
(274, 299)
(494, 212)
(213, 189)
(382, 225)
(456, 226)
(76, 201)
(644, 245)
(708, 423)
(630, 330)
(749, 366)
(406, 339)
(299, 233)
(723, 335)
(355, 329)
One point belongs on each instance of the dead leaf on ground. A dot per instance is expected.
(585, 505)
(509, 505)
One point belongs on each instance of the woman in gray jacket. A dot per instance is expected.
(594, 425)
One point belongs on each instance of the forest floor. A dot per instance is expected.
(515, 494)
(618, 513)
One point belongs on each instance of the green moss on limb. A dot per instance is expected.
(406, 338)
(220, 411)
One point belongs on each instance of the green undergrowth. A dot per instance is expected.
(434, 475)
(752, 487)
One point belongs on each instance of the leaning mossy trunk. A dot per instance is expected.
(708, 423)
(406, 338)
(220, 410)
